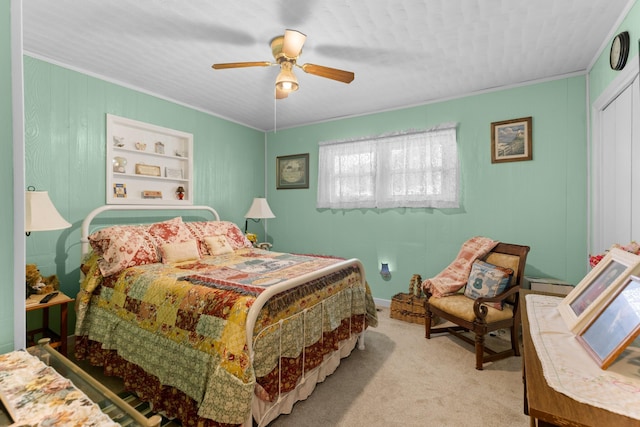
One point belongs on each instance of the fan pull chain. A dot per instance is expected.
(275, 111)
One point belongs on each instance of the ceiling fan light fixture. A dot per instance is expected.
(293, 42)
(280, 94)
(286, 80)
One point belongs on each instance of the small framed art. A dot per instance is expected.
(173, 173)
(119, 190)
(142, 169)
(580, 305)
(616, 324)
(292, 171)
(511, 140)
(159, 147)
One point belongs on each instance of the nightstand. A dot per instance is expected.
(57, 340)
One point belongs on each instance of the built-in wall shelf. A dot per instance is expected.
(148, 164)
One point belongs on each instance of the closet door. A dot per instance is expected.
(635, 161)
(619, 185)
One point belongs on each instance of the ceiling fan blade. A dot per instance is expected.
(293, 42)
(241, 65)
(281, 94)
(329, 73)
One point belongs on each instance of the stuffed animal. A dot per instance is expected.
(38, 285)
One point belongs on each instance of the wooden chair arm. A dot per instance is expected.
(481, 310)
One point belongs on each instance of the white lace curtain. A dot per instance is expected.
(416, 169)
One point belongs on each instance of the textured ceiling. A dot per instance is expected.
(402, 52)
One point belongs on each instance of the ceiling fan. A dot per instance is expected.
(286, 51)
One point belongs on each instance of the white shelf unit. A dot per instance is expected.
(157, 161)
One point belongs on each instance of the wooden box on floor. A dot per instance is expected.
(407, 307)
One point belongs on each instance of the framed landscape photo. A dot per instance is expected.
(578, 308)
(511, 140)
(616, 324)
(292, 171)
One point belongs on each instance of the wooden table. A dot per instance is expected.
(546, 405)
(57, 340)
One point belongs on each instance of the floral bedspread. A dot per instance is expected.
(185, 323)
(39, 396)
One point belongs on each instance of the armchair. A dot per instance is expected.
(476, 315)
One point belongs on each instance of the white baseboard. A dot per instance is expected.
(382, 302)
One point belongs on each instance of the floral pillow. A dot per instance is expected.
(173, 230)
(487, 280)
(123, 246)
(202, 229)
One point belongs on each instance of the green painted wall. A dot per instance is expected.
(6, 181)
(541, 203)
(65, 154)
(601, 73)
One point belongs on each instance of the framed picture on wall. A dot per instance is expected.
(616, 324)
(580, 305)
(511, 140)
(292, 171)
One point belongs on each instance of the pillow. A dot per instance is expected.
(169, 231)
(487, 280)
(218, 245)
(201, 229)
(123, 246)
(179, 252)
(453, 278)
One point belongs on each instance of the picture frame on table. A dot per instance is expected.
(292, 171)
(615, 325)
(511, 140)
(581, 304)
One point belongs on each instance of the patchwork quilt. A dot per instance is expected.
(185, 323)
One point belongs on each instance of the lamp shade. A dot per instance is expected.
(41, 215)
(259, 209)
(286, 80)
(292, 43)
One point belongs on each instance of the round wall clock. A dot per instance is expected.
(619, 51)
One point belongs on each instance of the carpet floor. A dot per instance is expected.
(401, 378)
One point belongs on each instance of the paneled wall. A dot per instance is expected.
(541, 203)
(65, 154)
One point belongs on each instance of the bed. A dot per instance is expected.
(206, 327)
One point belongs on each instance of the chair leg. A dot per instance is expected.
(479, 351)
(427, 324)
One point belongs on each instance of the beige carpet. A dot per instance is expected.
(404, 379)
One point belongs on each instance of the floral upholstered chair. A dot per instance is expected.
(478, 293)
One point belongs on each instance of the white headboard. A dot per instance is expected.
(86, 224)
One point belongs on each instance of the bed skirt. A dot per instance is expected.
(265, 412)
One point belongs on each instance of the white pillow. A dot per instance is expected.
(179, 252)
(218, 245)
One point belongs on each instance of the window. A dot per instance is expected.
(409, 169)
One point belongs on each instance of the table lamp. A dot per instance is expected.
(259, 209)
(41, 214)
